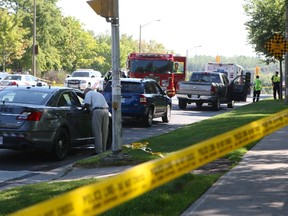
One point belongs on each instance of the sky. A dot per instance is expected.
(193, 27)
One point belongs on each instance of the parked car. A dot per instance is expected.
(22, 80)
(3, 75)
(84, 78)
(141, 99)
(45, 119)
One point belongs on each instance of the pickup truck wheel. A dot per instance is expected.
(182, 104)
(167, 116)
(199, 104)
(216, 104)
(148, 118)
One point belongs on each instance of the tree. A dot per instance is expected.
(12, 42)
(266, 17)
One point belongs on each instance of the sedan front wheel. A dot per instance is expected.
(167, 115)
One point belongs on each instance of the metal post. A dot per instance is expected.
(34, 41)
(281, 79)
(140, 32)
(140, 39)
(286, 54)
(116, 89)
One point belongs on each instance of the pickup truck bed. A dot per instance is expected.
(205, 87)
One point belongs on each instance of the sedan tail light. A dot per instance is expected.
(30, 116)
(143, 99)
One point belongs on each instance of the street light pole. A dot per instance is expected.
(34, 40)
(187, 53)
(140, 31)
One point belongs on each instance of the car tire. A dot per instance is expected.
(182, 104)
(167, 116)
(60, 145)
(148, 120)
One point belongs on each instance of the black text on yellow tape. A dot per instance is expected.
(99, 197)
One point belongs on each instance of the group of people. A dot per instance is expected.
(257, 87)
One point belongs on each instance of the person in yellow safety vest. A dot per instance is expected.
(176, 67)
(276, 84)
(257, 89)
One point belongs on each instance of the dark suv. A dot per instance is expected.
(141, 99)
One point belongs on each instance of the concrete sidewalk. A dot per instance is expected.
(258, 185)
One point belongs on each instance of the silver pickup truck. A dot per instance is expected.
(205, 87)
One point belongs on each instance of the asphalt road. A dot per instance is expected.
(131, 132)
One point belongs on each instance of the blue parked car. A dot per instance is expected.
(141, 99)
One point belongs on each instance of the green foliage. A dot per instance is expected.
(12, 37)
(64, 44)
(171, 199)
(20, 197)
(266, 17)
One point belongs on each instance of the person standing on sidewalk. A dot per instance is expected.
(257, 89)
(276, 84)
(96, 102)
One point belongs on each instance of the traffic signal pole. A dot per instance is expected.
(116, 89)
(109, 9)
(286, 54)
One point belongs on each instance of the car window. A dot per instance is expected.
(26, 97)
(68, 99)
(128, 87)
(150, 88)
(33, 78)
(27, 78)
(13, 77)
(225, 79)
(215, 78)
(80, 74)
(158, 88)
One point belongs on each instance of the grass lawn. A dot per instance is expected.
(170, 199)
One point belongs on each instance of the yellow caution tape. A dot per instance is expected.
(99, 197)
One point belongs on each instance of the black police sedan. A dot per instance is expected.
(45, 119)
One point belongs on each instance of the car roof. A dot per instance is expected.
(137, 80)
(38, 88)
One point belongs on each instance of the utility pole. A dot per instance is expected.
(34, 41)
(140, 32)
(286, 54)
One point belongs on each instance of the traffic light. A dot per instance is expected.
(218, 59)
(105, 8)
(257, 70)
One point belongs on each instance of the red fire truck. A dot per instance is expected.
(167, 69)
